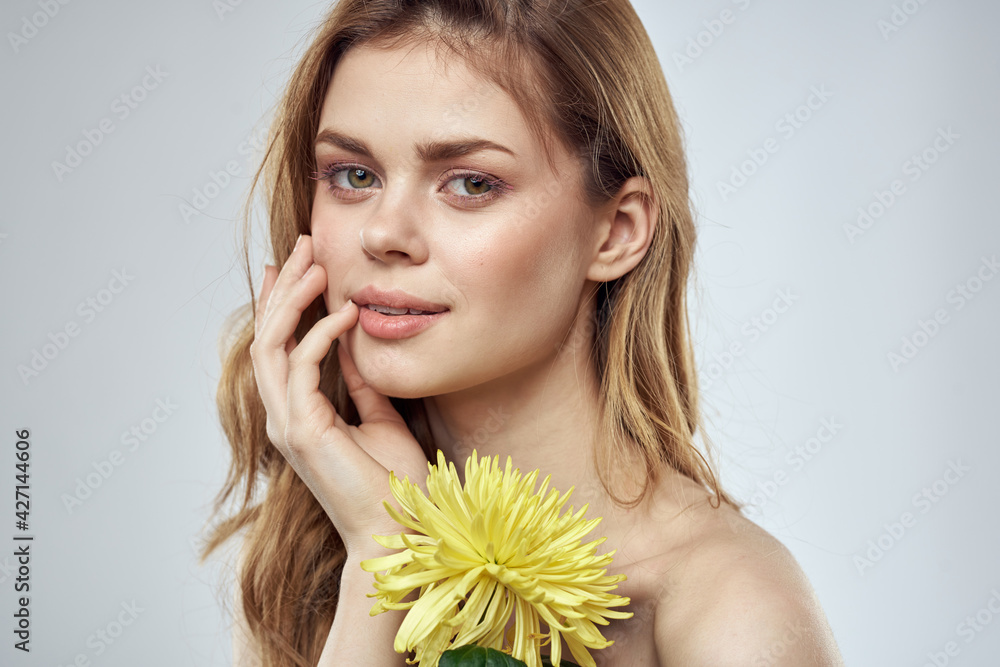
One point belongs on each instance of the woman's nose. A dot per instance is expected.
(392, 233)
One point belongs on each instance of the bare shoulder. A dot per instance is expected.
(734, 595)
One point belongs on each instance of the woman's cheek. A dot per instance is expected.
(323, 256)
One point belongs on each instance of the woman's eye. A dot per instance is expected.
(473, 188)
(356, 178)
(341, 177)
(475, 185)
(470, 188)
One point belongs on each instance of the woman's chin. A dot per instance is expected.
(397, 390)
(391, 380)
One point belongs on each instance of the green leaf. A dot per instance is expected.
(477, 656)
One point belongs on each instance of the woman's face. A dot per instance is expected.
(435, 171)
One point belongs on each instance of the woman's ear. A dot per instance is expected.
(624, 230)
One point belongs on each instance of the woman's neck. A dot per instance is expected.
(543, 416)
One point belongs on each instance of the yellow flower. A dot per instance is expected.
(486, 551)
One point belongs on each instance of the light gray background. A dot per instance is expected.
(825, 357)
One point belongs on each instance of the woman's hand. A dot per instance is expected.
(346, 467)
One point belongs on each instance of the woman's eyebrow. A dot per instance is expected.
(431, 151)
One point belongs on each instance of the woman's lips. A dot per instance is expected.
(395, 298)
(380, 325)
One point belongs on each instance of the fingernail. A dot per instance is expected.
(345, 306)
(298, 241)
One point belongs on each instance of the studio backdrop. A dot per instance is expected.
(846, 305)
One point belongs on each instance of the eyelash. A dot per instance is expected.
(497, 186)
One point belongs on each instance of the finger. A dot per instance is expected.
(305, 401)
(298, 284)
(274, 339)
(288, 296)
(270, 275)
(267, 285)
(372, 406)
(271, 396)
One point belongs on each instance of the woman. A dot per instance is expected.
(511, 173)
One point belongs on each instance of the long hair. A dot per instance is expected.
(583, 73)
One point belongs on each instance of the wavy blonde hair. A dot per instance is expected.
(583, 73)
